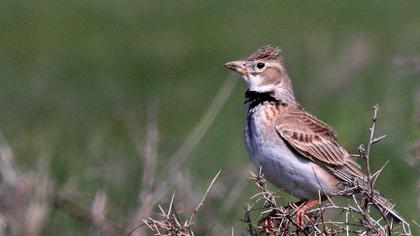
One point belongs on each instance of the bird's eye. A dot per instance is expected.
(260, 65)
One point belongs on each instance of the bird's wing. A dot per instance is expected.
(316, 141)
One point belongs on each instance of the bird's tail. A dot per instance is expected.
(361, 185)
(386, 207)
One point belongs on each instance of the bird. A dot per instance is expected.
(295, 150)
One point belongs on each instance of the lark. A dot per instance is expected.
(296, 151)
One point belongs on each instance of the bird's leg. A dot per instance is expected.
(298, 204)
(303, 207)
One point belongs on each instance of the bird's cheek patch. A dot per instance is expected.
(271, 76)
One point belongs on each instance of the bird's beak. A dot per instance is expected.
(237, 66)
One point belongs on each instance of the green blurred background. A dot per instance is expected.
(69, 67)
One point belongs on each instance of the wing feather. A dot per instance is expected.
(316, 141)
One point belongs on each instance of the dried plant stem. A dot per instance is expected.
(147, 153)
(72, 208)
(7, 170)
(169, 222)
(202, 126)
(203, 198)
(371, 139)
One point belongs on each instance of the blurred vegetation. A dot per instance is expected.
(70, 70)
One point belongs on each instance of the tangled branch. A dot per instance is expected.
(169, 222)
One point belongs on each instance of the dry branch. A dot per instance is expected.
(72, 208)
(26, 198)
(169, 223)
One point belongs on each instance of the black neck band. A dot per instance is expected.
(256, 98)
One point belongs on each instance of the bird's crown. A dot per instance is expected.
(267, 52)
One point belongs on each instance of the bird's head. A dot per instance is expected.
(263, 70)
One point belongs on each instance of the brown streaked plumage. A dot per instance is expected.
(315, 140)
(296, 151)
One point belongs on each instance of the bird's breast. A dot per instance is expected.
(260, 129)
(281, 165)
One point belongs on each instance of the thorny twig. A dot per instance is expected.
(169, 222)
(366, 154)
(190, 221)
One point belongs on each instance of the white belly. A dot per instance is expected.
(284, 168)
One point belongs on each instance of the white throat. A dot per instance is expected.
(254, 83)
